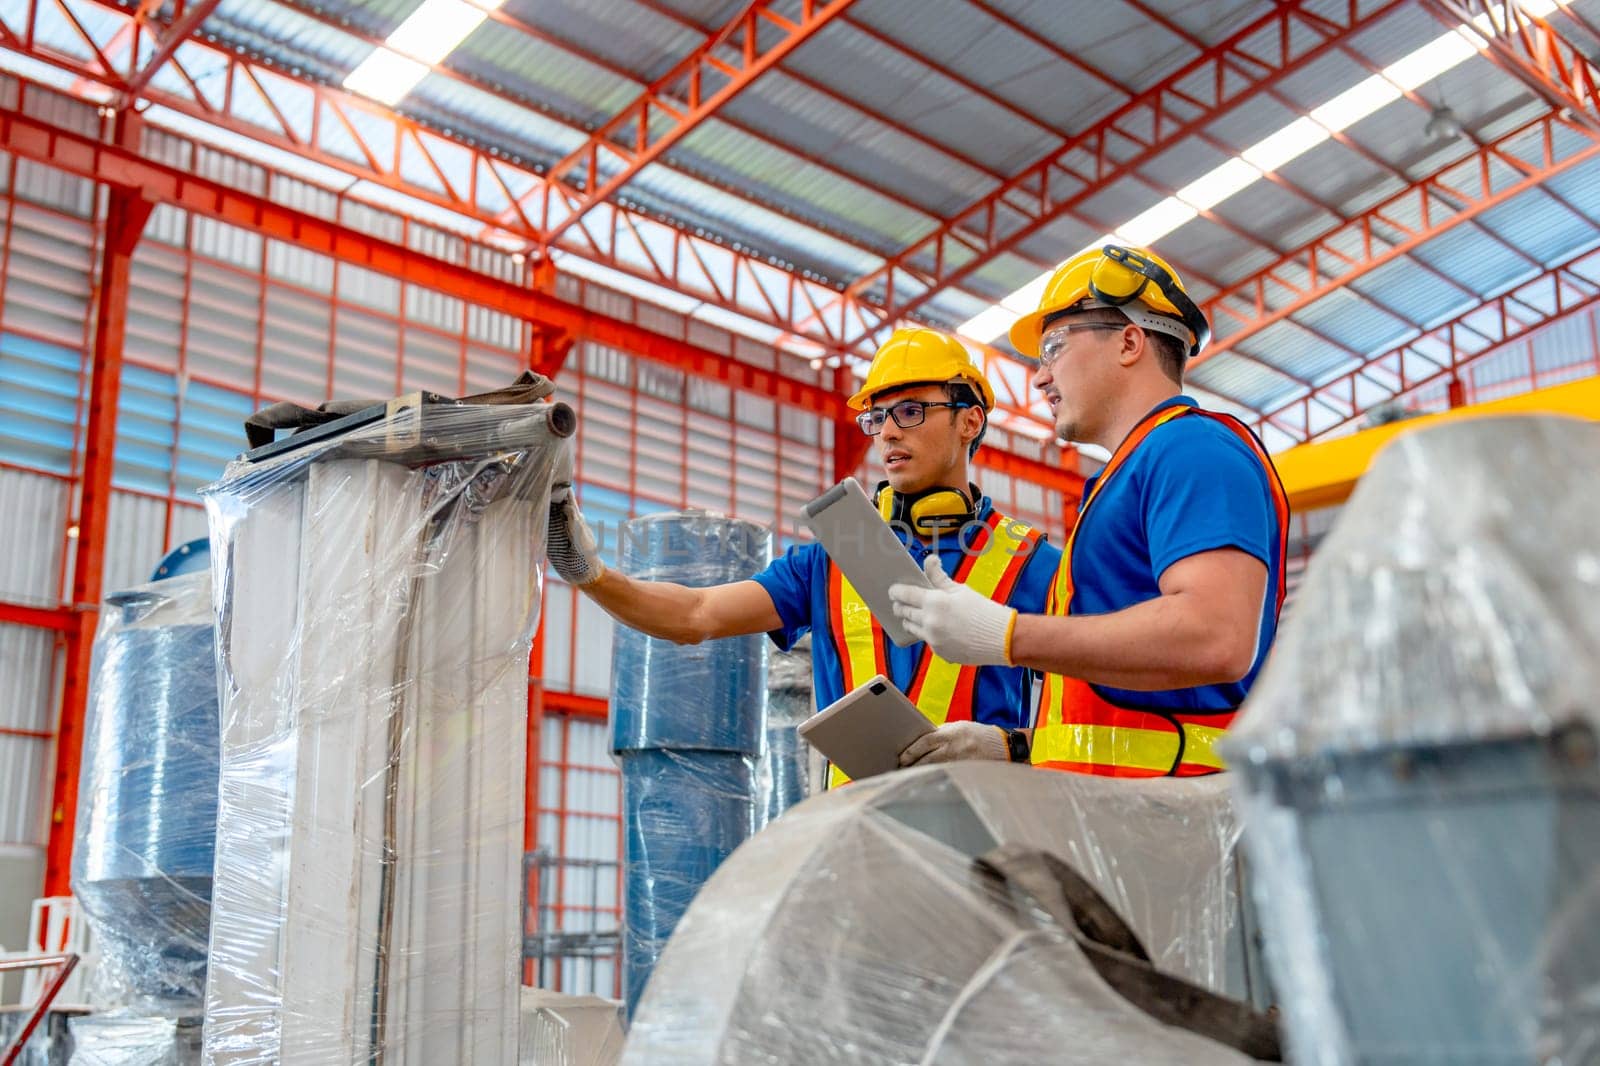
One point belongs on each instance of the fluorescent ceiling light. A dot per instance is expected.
(1160, 220)
(1272, 152)
(1294, 140)
(428, 34)
(433, 30)
(1212, 188)
(1026, 298)
(385, 76)
(985, 326)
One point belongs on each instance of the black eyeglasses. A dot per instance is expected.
(907, 414)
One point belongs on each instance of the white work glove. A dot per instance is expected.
(957, 740)
(960, 625)
(569, 545)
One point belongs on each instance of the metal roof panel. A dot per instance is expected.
(628, 34)
(1352, 322)
(1542, 226)
(908, 91)
(797, 115)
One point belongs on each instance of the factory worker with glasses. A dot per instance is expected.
(925, 404)
(1168, 594)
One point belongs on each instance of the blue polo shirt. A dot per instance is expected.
(1191, 486)
(797, 581)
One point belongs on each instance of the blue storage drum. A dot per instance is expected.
(147, 800)
(687, 726)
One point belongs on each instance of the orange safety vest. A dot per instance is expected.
(942, 690)
(1079, 730)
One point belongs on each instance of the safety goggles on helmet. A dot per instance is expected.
(1121, 277)
(907, 414)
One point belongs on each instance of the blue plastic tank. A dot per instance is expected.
(147, 800)
(687, 724)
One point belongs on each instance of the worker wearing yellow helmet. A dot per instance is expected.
(1167, 598)
(925, 403)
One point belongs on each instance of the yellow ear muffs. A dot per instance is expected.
(932, 511)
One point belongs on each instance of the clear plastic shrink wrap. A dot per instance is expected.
(118, 1039)
(785, 777)
(856, 929)
(687, 724)
(147, 798)
(377, 590)
(1417, 763)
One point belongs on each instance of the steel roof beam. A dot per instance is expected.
(1235, 69)
(1452, 196)
(481, 85)
(1529, 49)
(185, 26)
(715, 72)
(1451, 347)
(339, 137)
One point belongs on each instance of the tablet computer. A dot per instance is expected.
(857, 538)
(864, 733)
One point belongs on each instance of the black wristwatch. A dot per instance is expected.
(1017, 747)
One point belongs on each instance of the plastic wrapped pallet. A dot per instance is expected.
(148, 795)
(117, 1039)
(377, 590)
(854, 929)
(1418, 760)
(687, 726)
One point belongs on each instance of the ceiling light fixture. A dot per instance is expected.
(428, 34)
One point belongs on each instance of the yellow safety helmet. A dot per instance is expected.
(914, 356)
(1134, 281)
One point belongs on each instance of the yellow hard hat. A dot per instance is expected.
(914, 356)
(1134, 281)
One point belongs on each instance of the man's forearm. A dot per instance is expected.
(659, 608)
(1165, 643)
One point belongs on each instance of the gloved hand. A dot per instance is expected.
(962, 626)
(957, 740)
(569, 545)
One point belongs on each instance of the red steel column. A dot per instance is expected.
(126, 215)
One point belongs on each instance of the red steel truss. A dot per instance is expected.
(363, 140)
(746, 48)
(1284, 40)
(182, 28)
(1530, 49)
(1486, 177)
(1442, 353)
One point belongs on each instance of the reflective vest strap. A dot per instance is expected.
(1098, 737)
(856, 633)
(993, 562)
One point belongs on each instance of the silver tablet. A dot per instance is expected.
(864, 733)
(858, 539)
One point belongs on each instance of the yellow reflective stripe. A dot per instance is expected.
(1199, 746)
(939, 683)
(1104, 745)
(860, 645)
(1143, 749)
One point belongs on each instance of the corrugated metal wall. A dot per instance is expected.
(221, 321)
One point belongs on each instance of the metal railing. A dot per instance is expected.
(572, 934)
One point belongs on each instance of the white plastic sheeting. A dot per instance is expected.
(377, 596)
(855, 928)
